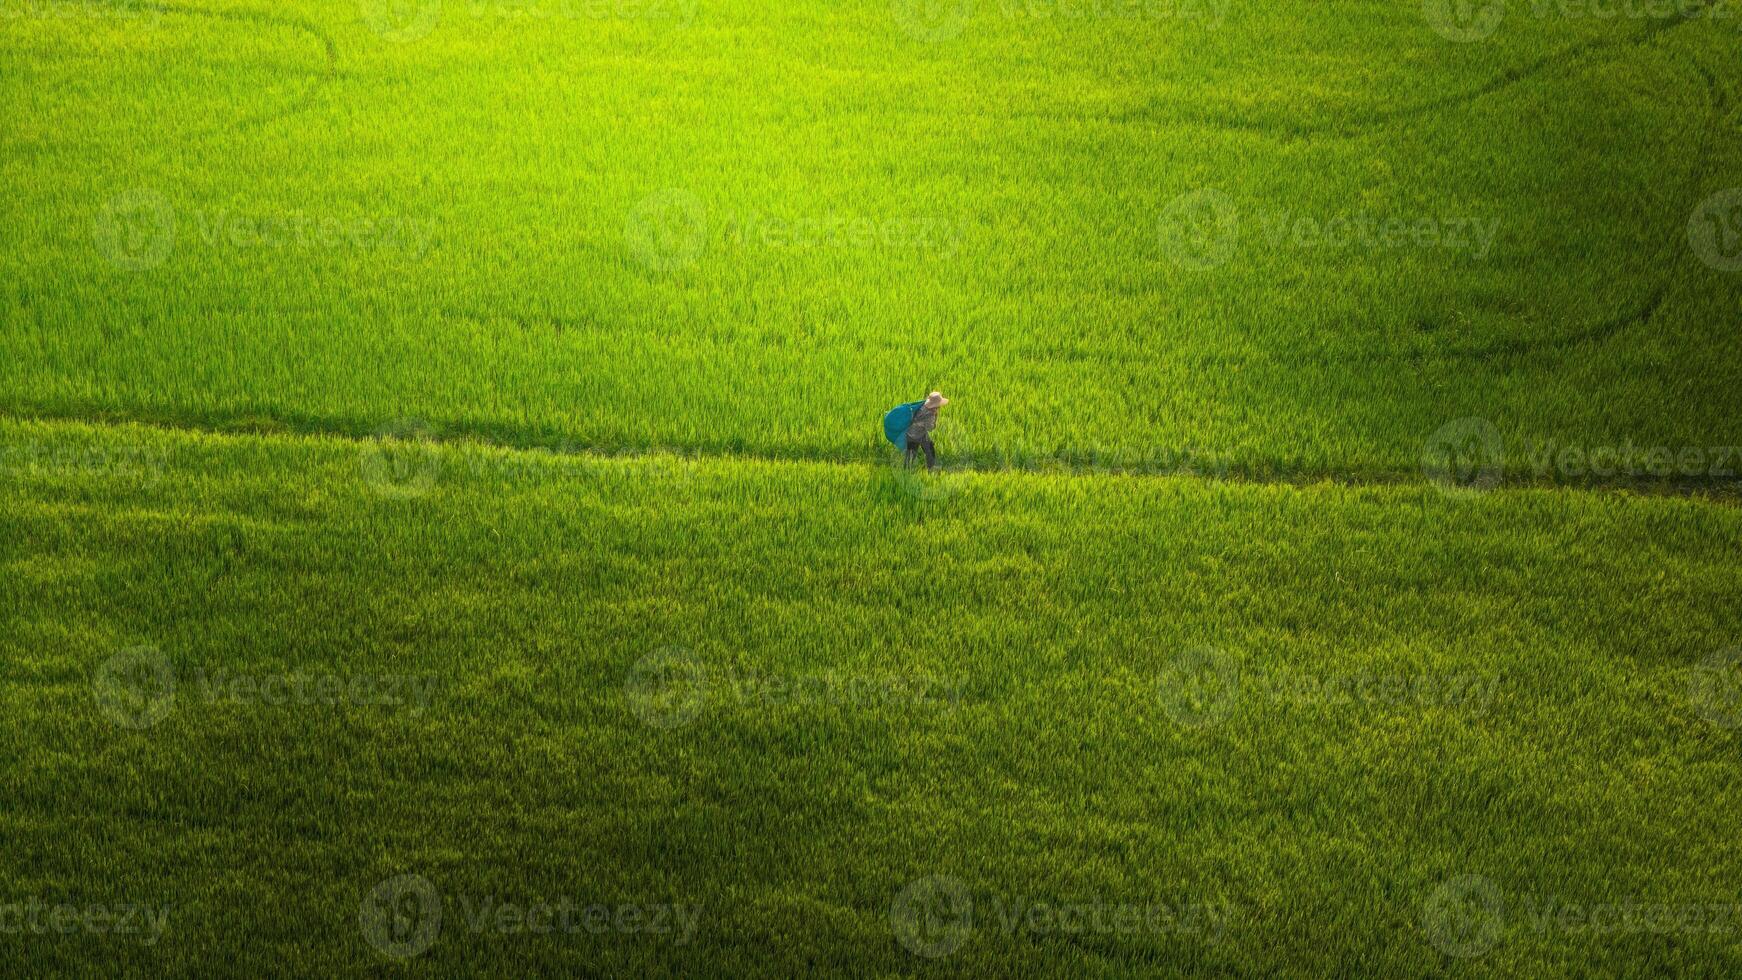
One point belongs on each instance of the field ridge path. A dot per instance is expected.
(1720, 489)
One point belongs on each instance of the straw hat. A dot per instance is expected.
(936, 400)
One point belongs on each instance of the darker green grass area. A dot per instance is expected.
(1278, 728)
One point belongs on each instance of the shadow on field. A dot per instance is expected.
(1355, 125)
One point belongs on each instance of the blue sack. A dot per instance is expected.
(896, 421)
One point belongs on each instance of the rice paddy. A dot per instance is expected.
(447, 526)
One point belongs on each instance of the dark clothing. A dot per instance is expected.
(923, 442)
(925, 419)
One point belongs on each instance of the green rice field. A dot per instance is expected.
(445, 523)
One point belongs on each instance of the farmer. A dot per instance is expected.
(925, 419)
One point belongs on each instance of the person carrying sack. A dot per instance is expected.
(925, 419)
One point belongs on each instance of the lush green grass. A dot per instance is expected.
(736, 227)
(1020, 685)
(254, 667)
